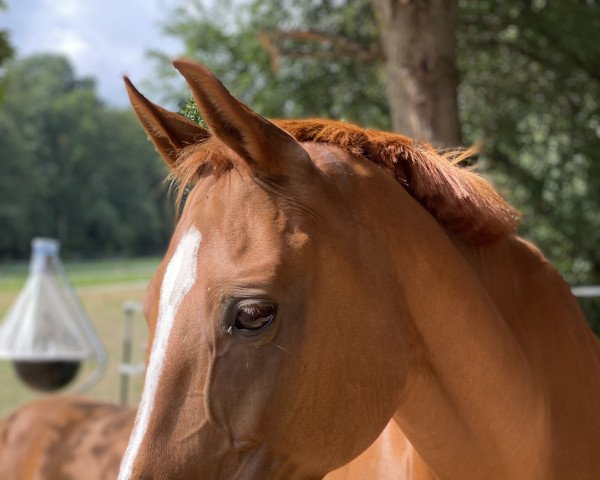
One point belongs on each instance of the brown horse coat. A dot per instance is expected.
(64, 438)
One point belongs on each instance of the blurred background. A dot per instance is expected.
(521, 79)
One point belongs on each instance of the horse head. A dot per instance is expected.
(275, 346)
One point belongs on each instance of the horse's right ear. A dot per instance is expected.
(170, 132)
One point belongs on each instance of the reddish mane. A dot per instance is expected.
(459, 199)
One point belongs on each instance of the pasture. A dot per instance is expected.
(103, 286)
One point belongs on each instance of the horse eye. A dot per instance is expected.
(254, 316)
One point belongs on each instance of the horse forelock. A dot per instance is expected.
(457, 197)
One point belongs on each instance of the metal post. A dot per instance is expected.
(129, 309)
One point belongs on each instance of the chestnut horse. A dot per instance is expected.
(325, 281)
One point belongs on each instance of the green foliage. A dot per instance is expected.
(318, 82)
(78, 171)
(190, 111)
(531, 89)
(6, 49)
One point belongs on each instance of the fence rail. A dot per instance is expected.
(586, 291)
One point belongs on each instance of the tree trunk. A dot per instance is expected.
(418, 39)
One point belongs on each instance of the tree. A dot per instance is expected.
(79, 171)
(282, 74)
(6, 50)
(419, 43)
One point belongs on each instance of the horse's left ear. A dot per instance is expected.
(170, 132)
(259, 142)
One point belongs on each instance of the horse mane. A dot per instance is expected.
(458, 198)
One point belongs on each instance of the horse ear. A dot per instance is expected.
(259, 142)
(170, 132)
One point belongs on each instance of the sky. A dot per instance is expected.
(102, 38)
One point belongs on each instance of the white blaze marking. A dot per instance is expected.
(180, 276)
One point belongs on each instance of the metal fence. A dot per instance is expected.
(587, 291)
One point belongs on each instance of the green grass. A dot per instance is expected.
(103, 286)
(85, 273)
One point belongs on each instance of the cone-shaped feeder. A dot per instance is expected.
(47, 333)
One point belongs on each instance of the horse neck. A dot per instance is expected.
(479, 400)
(548, 325)
(537, 305)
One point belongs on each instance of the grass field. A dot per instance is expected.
(103, 287)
